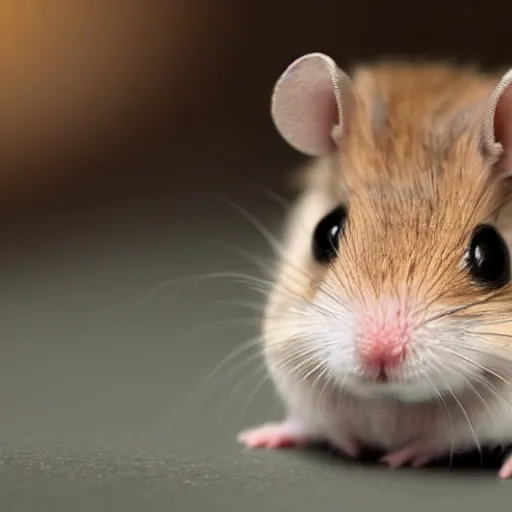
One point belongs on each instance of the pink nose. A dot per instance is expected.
(381, 350)
(378, 355)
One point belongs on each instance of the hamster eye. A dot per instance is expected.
(327, 233)
(488, 258)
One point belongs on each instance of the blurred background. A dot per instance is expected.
(98, 95)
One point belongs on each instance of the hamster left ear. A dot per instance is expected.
(309, 104)
(497, 126)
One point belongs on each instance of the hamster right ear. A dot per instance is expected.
(497, 126)
(309, 104)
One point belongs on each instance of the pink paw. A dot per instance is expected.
(416, 455)
(274, 436)
(506, 468)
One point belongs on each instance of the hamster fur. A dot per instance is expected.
(402, 340)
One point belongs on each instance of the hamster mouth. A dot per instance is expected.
(388, 387)
(381, 378)
(377, 374)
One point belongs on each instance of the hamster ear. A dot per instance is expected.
(308, 104)
(497, 124)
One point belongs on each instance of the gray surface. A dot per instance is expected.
(103, 390)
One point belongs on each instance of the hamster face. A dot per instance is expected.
(396, 288)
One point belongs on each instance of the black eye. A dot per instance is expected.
(327, 235)
(489, 258)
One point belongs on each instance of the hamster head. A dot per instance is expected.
(395, 276)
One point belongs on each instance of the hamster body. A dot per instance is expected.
(390, 322)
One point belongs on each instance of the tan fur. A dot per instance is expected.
(407, 117)
(417, 181)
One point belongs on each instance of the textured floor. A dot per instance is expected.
(104, 391)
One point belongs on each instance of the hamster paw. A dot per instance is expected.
(416, 455)
(286, 434)
(506, 468)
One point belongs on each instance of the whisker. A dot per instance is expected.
(446, 365)
(497, 350)
(492, 334)
(485, 320)
(328, 379)
(474, 363)
(324, 286)
(277, 246)
(492, 389)
(257, 224)
(319, 364)
(237, 387)
(198, 392)
(257, 261)
(194, 279)
(304, 359)
(438, 368)
(487, 384)
(252, 396)
(256, 341)
(446, 409)
(277, 198)
(458, 309)
(252, 343)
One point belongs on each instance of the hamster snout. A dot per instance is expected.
(382, 342)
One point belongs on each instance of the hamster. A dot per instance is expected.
(389, 325)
